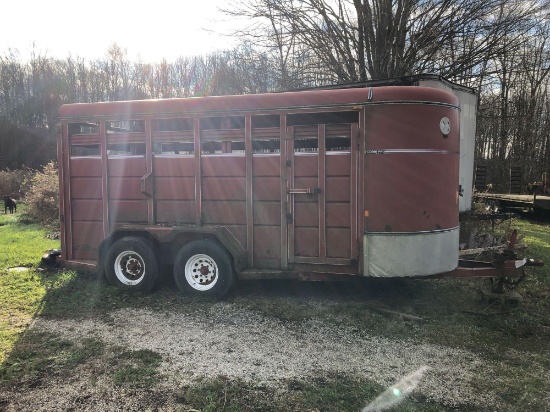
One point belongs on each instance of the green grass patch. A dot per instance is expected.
(22, 244)
(537, 238)
(21, 293)
(230, 395)
(137, 368)
(40, 355)
(330, 393)
(520, 380)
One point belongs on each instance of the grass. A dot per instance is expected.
(137, 368)
(513, 338)
(20, 242)
(333, 392)
(21, 293)
(537, 237)
(330, 393)
(38, 356)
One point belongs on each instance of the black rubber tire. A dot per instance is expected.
(210, 282)
(130, 263)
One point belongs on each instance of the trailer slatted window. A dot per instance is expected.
(338, 138)
(222, 135)
(125, 126)
(173, 148)
(304, 119)
(173, 137)
(125, 149)
(125, 138)
(305, 139)
(83, 128)
(337, 130)
(266, 134)
(84, 139)
(173, 125)
(85, 150)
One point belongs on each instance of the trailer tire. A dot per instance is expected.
(202, 268)
(130, 263)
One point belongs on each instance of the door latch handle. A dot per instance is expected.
(147, 184)
(308, 190)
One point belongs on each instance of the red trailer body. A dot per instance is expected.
(313, 183)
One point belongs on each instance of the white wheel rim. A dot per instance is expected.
(201, 272)
(129, 268)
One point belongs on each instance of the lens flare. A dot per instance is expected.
(395, 394)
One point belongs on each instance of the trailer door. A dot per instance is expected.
(322, 193)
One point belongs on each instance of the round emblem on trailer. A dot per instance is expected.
(445, 126)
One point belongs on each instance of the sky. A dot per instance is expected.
(149, 30)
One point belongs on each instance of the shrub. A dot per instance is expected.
(42, 199)
(14, 183)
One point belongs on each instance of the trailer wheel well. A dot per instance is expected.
(113, 237)
(167, 251)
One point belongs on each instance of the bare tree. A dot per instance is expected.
(361, 39)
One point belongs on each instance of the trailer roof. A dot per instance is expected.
(258, 102)
(412, 80)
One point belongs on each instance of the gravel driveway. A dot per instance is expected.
(235, 342)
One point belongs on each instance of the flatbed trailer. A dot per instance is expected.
(539, 204)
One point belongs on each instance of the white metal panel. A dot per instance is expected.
(410, 254)
(468, 106)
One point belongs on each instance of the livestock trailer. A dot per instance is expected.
(308, 184)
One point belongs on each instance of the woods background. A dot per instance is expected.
(499, 47)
